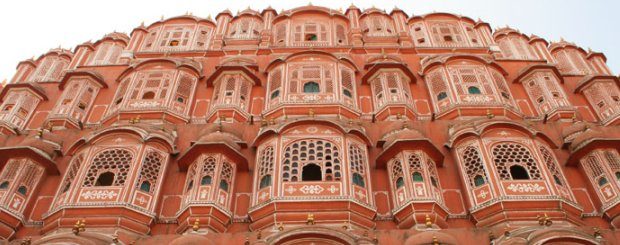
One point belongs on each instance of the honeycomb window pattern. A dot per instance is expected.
(117, 161)
(397, 173)
(473, 164)
(266, 162)
(320, 152)
(151, 166)
(508, 154)
(208, 168)
(73, 170)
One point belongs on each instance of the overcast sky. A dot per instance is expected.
(30, 28)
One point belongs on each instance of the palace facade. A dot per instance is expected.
(312, 125)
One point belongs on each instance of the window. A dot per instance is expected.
(224, 185)
(515, 161)
(22, 190)
(478, 180)
(190, 185)
(148, 96)
(358, 180)
(347, 93)
(602, 181)
(417, 177)
(441, 96)
(206, 180)
(473, 90)
(311, 87)
(400, 182)
(518, 173)
(105, 179)
(145, 186)
(311, 172)
(109, 168)
(311, 37)
(324, 154)
(434, 182)
(4, 185)
(265, 181)
(275, 94)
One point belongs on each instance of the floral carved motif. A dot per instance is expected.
(525, 188)
(100, 194)
(311, 189)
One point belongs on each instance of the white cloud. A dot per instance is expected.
(30, 28)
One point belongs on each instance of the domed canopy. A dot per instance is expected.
(592, 138)
(214, 139)
(406, 139)
(41, 147)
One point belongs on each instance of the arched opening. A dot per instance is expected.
(478, 180)
(557, 180)
(434, 182)
(518, 172)
(602, 181)
(275, 94)
(618, 176)
(206, 180)
(311, 37)
(442, 96)
(4, 185)
(473, 90)
(105, 179)
(311, 172)
(145, 186)
(265, 181)
(224, 185)
(417, 177)
(347, 93)
(148, 95)
(311, 88)
(174, 43)
(400, 182)
(22, 190)
(358, 180)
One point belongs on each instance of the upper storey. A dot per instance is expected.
(443, 30)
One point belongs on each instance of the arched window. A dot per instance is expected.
(206, 180)
(311, 87)
(517, 172)
(190, 185)
(478, 180)
(602, 181)
(508, 155)
(224, 185)
(473, 90)
(473, 166)
(311, 172)
(265, 181)
(358, 180)
(417, 177)
(145, 186)
(105, 179)
(434, 182)
(441, 96)
(4, 185)
(400, 182)
(22, 190)
(321, 153)
(109, 168)
(618, 176)
(148, 96)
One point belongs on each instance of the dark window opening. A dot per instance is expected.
(82, 106)
(473, 90)
(358, 180)
(66, 188)
(148, 96)
(206, 180)
(347, 93)
(441, 96)
(518, 172)
(478, 180)
(557, 180)
(105, 179)
(119, 100)
(275, 94)
(421, 40)
(311, 172)
(145, 186)
(615, 98)
(447, 38)
(311, 87)
(618, 175)
(417, 177)
(602, 181)
(22, 190)
(224, 185)
(174, 43)
(265, 181)
(601, 104)
(4, 185)
(540, 100)
(311, 37)
(505, 95)
(181, 100)
(400, 182)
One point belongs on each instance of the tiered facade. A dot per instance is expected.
(312, 125)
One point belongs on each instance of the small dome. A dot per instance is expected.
(191, 240)
(221, 137)
(48, 143)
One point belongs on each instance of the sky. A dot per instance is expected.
(30, 28)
